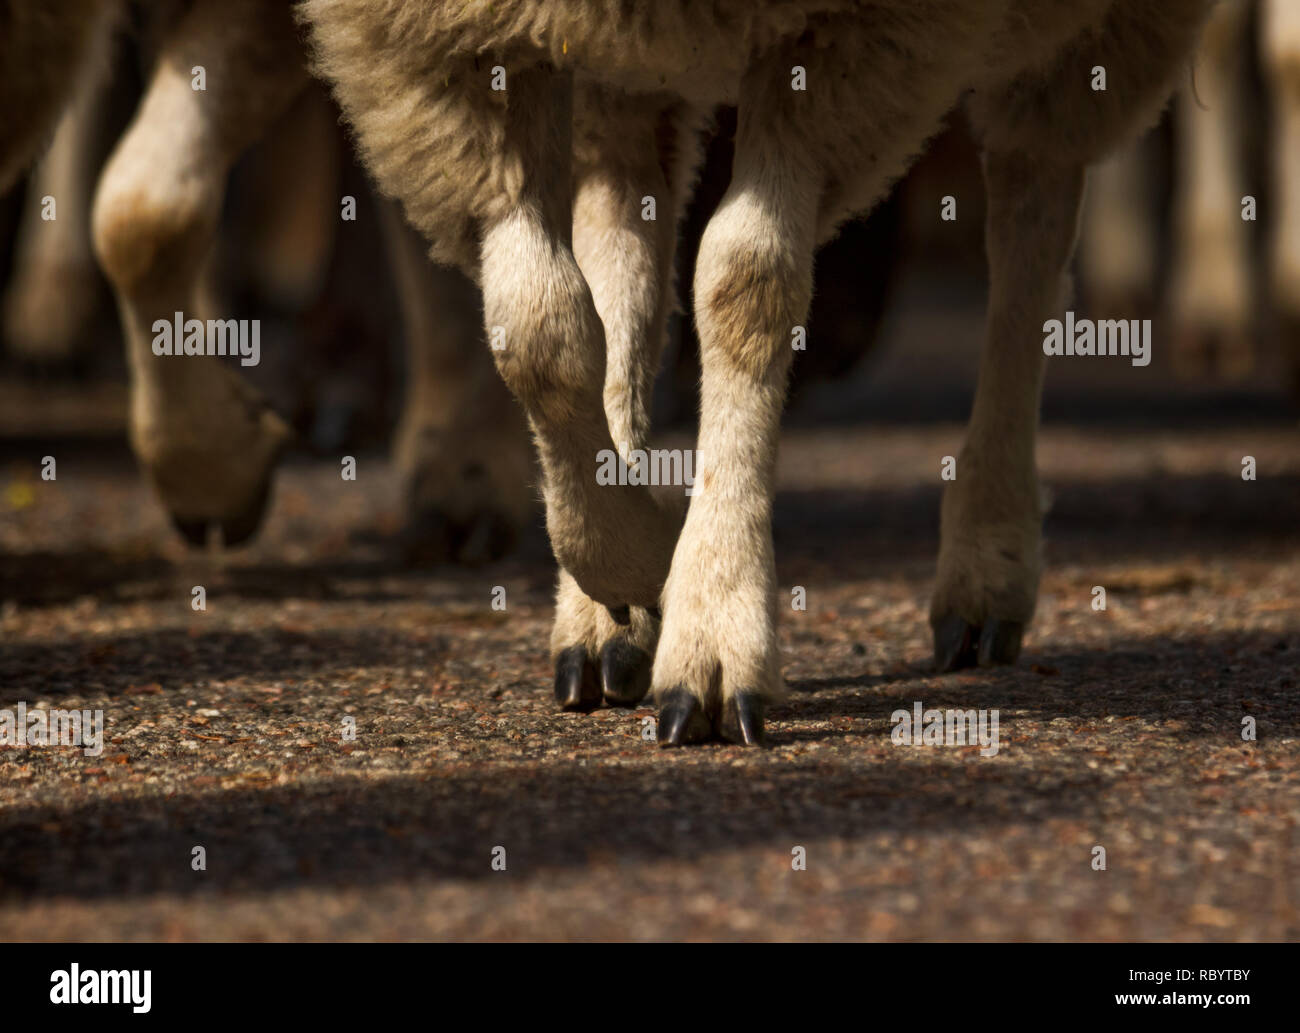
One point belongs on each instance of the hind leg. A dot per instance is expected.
(488, 176)
(1040, 132)
(461, 447)
(207, 440)
(55, 297)
(989, 552)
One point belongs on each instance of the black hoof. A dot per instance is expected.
(624, 673)
(576, 685)
(742, 719)
(234, 530)
(430, 538)
(193, 531)
(485, 539)
(681, 719)
(955, 644)
(1000, 642)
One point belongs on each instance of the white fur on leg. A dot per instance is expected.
(616, 540)
(753, 282)
(626, 148)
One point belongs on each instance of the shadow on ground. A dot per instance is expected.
(439, 823)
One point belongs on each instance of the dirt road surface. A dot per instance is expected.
(1119, 729)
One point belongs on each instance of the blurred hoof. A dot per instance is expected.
(1236, 356)
(1191, 354)
(954, 644)
(235, 530)
(1208, 352)
(958, 644)
(1000, 642)
(195, 532)
(431, 537)
(205, 478)
(468, 491)
(240, 528)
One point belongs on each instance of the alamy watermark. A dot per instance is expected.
(921, 727)
(648, 466)
(40, 727)
(1130, 337)
(181, 336)
(106, 986)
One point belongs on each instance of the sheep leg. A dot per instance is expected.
(633, 160)
(803, 162)
(989, 544)
(461, 447)
(205, 437)
(1034, 172)
(614, 540)
(51, 305)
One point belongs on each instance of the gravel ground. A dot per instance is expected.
(225, 728)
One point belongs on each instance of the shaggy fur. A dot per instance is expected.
(489, 177)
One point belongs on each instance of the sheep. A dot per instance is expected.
(1214, 300)
(207, 439)
(51, 304)
(520, 137)
(45, 48)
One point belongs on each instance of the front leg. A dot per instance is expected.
(804, 160)
(718, 665)
(989, 551)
